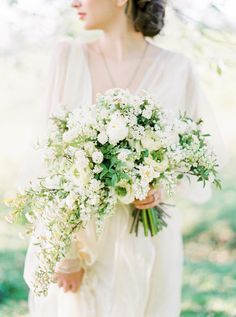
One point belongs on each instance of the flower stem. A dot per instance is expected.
(135, 215)
(151, 221)
(137, 223)
(155, 219)
(145, 222)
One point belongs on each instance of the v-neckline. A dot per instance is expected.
(141, 84)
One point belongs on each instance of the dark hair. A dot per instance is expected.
(147, 15)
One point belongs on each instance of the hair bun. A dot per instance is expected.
(142, 3)
(148, 16)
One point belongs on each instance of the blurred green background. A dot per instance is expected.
(202, 30)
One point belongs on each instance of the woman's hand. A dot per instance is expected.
(154, 197)
(69, 281)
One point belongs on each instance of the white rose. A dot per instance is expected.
(147, 173)
(117, 129)
(129, 197)
(157, 166)
(162, 166)
(151, 141)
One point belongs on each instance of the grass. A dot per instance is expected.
(209, 287)
(13, 290)
(209, 234)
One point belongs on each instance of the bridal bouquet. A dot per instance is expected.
(112, 151)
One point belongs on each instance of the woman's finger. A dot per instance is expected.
(66, 287)
(154, 197)
(74, 287)
(144, 201)
(149, 199)
(149, 205)
(60, 283)
(55, 278)
(153, 205)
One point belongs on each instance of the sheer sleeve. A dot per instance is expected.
(54, 76)
(197, 106)
(82, 251)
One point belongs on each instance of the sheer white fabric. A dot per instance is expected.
(125, 275)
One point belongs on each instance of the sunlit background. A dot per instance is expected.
(203, 30)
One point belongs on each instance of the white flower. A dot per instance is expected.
(97, 157)
(95, 185)
(140, 190)
(137, 132)
(123, 154)
(147, 113)
(81, 159)
(157, 166)
(70, 135)
(97, 169)
(89, 147)
(102, 137)
(84, 176)
(147, 173)
(70, 199)
(131, 120)
(151, 141)
(117, 129)
(94, 200)
(129, 197)
(52, 182)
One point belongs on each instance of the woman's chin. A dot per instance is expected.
(90, 26)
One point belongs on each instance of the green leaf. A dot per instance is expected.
(114, 179)
(145, 153)
(158, 155)
(121, 191)
(124, 176)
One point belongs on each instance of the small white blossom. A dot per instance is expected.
(102, 137)
(97, 157)
(147, 113)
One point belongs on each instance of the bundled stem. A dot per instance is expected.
(152, 219)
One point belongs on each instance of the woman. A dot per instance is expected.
(124, 275)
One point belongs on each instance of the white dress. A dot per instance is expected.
(126, 275)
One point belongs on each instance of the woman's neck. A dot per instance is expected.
(118, 43)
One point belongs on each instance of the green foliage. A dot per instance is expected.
(121, 191)
(158, 155)
(12, 285)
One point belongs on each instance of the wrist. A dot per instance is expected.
(68, 266)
